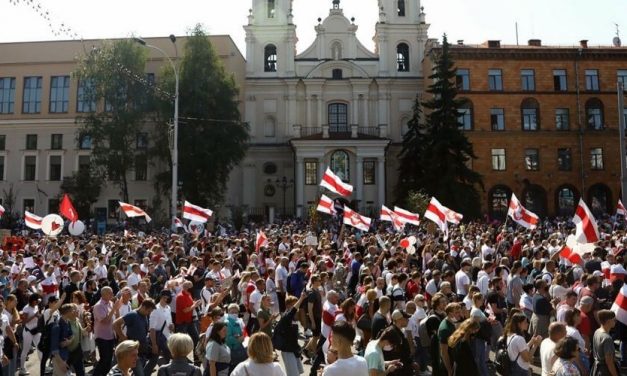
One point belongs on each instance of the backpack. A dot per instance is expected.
(233, 329)
(288, 284)
(45, 328)
(279, 334)
(502, 361)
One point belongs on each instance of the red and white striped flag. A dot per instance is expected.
(520, 215)
(32, 221)
(391, 216)
(354, 219)
(333, 183)
(453, 216)
(406, 216)
(570, 255)
(620, 209)
(196, 213)
(620, 305)
(261, 241)
(178, 223)
(617, 271)
(326, 205)
(606, 268)
(436, 212)
(386, 214)
(586, 226)
(2, 210)
(132, 211)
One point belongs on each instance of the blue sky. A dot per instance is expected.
(560, 22)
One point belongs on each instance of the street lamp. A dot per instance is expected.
(284, 184)
(175, 146)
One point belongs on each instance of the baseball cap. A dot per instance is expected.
(398, 314)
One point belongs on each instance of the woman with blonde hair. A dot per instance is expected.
(126, 353)
(461, 342)
(260, 358)
(180, 346)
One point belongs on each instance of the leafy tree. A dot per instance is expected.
(435, 155)
(84, 189)
(10, 218)
(114, 73)
(212, 140)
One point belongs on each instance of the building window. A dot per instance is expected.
(84, 162)
(3, 141)
(31, 99)
(141, 142)
(559, 80)
(532, 160)
(84, 142)
(463, 79)
(270, 58)
(464, 118)
(528, 81)
(30, 167)
(85, 101)
(562, 116)
(141, 168)
(499, 201)
(7, 95)
(56, 142)
(338, 118)
(1, 167)
(497, 119)
(336, 74)
(311, 172)
(271, 8)
(498, 160)
(369, 172)
(596, 158)
(594, 114)
(53, 205)
(600, 199)
(495, 80)
(59, 94)
(340, 165)
(592, 80)
(529, 111)
(269, 127)
(566, 201)
(564, 159)
(401, 8)
(31, 142)
(622, 77)
(29, 204)
(402, 57)
(54, 169)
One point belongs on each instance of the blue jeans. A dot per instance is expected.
(293, 365)
(481, 355)
(421, 354)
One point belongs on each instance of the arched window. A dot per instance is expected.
(402, 57)
(270, 58)
(340, 164)
(594, 114)
(498, 201)
(271, 8)
(401, 8)
(534, 199)
(338, 117)
(600, 198)
(566, 199)
(465, 116)
(269, 127)
(530, 113)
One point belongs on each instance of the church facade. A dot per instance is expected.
(336, 105)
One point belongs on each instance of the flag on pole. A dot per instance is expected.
(436, 212)
(178, 223)
(333, 183)
(261, 241)
(406, 216)
(586, 226)
(196, 213)
(67, 210)
(620, 209)
(326, 205)
(354, 219)
(391, 216)
(620, 305)
(386, 214)
(570, 255)
(132, 211)
(32, 221)
(453, 216)
(520, 215)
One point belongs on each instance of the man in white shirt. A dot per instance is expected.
(254, 304)
(280, 278)
(134, 278)
(161, 328)
(346, 363)
(486, 250)
(484, 276)
(557, 331)
(462, 281)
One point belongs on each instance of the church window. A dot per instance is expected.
(337, 74)
(402, 57)
(401, 8)
(271, 8)
(270, 58)
(338, 117)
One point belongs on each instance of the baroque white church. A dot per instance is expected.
(337, 104)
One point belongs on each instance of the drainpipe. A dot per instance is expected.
(580, 122)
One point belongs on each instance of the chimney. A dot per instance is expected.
(460, 42)
(494, 44)
(583, 43)
(535, 43)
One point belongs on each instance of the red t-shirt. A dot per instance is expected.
(585, 327)
(516, 250)
(184, 300)
(412, 289)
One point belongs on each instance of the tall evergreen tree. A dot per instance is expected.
(435, 155)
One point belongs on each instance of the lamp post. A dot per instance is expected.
(621, 132)
(175, 146)
(284, 184)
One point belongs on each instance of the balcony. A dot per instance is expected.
(340, 132)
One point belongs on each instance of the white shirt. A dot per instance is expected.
(461, 279)
(572, 332)
(280, 274)
(205, 296)
(101, 271)
(485, 251)
(515, 346)
(160, 316)
(29, 312)
(547, 356)
(354, 366)
(328, 309)
(133, 280)
(483, 281)
(432, 287)
(250, 368)
(255, 301)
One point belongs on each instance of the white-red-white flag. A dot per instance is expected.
(386, 214)
(196, 213)
(2, 210)
(586, 226)
(326, 205)
(520, 215)
(178, 223)
(333, 183)
(436, 212)
(391, 216)
(354, 219)
(617, 271)
(132, 211)
(406, 216)
(453, 216)
(570, 255)
(620, 305)
(32, 221)
(620, 209)
(261, 241)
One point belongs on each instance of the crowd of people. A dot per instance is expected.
(489, 298)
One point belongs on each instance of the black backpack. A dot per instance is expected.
(502, 361)
(45, 328)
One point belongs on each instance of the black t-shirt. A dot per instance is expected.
(379, 322)
(541, 305)
(495, 298)
(314, 298)
(592, 265)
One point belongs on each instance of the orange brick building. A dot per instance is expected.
(544, 122)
